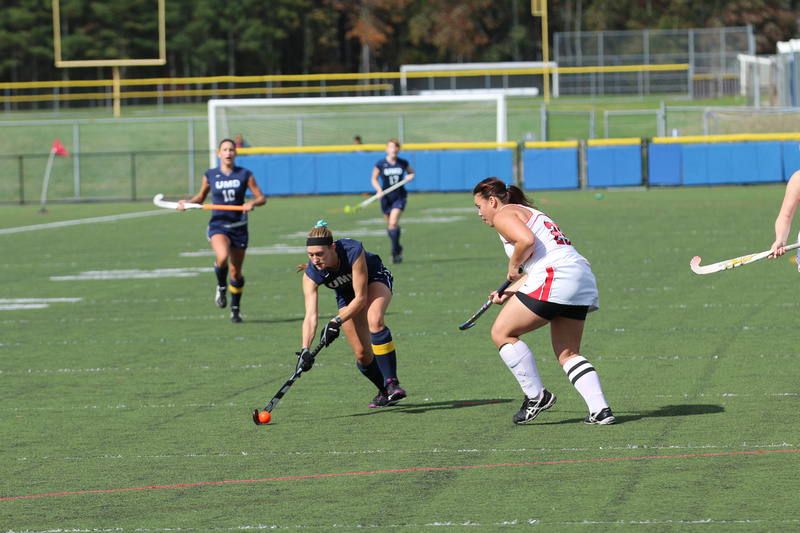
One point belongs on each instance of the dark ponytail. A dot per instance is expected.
(508, 194)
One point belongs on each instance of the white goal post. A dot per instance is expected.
(261, 110)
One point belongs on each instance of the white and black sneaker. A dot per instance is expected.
(220, 298)
(236, 314)
(603, 418)
(531, 408)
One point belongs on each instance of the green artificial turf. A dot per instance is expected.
(126, 395)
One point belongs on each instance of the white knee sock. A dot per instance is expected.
(584, 377)
(522, 364)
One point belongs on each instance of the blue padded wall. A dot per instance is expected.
(732, 163)
(350, 172)
(791, 159)
(614, 166)
(664, 164)
(550, 168)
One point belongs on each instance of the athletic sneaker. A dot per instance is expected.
(394, 392)
(221, 299)
(603, 418)
(381, 400)
(236, 314)
(530, 408)
(397, 255)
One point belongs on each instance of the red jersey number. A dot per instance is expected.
(557, 234)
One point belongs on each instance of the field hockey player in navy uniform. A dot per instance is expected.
(553, 284)
(227, 230)
(363, 288)
(387, 172)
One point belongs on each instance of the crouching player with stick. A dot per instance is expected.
(363, 288)
(553, 284)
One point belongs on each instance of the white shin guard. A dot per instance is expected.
(522, 363)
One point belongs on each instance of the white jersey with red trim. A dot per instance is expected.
(556, 271)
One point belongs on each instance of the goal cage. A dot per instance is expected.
(299, 122)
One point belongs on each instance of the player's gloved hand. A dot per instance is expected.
(331, 331)
(304, 360)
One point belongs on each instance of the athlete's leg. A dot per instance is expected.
(566, 335)
(236, 262)
(378, 298)
(237, 278)
(393, 230)
(393, 218)
(221, 245)
(514, 320)
(357, 332)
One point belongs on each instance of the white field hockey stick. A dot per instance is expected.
(158, 199)
(471, 322)
(731, 263)
(350, 210)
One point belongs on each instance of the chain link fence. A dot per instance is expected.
(712, 56)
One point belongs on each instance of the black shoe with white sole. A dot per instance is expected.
(603, 418)
(531, 408)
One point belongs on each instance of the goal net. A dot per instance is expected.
(295, 122)
(732, 120)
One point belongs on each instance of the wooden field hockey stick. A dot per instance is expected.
(158, 199)
(732, 263)
(350, 210)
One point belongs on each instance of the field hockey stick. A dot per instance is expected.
(731, 263)
(158, 199)
(275, 399)
(471, 322)
(350, 210)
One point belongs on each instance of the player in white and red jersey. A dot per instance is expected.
(553, 284)
(783, 222)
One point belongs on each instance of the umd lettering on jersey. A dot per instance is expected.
(227, 184)
(393, 171)
(340, 281)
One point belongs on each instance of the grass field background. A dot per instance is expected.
(126, 395)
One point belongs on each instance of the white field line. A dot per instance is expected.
(684, 449)
(586, 525)
(13, 304)
(135, 273)
(62, 408)
(95, 220)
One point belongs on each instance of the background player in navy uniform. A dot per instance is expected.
(363, 288)
(386, 173)
(227, 230)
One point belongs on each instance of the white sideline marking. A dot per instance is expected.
(275, 249)
(446, 523)
(676, 448)
(12, 304)
(135, 273)
(416, 220)
(110, 218)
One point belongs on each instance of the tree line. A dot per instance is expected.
(266, 37)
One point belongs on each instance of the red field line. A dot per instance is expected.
(430, 469)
